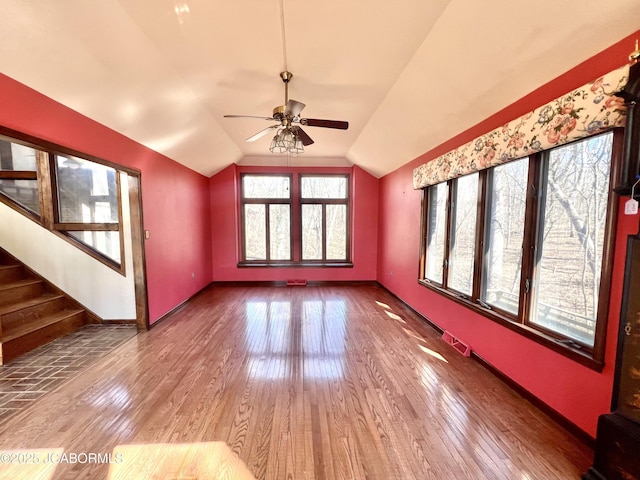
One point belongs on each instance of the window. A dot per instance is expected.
(87, 204)
(324, 201)
(540, 257)
(436, 232)
(266, 217)
(74, 197)
(463, 234)
(504, 235)
(294, 219)
(18, 175)
(571, 232)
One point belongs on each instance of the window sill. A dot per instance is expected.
(295, 264)
(577, 353)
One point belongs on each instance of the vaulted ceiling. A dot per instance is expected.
(407, 74)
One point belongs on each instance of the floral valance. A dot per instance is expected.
(586, 111)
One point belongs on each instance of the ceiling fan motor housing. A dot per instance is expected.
(278, 112)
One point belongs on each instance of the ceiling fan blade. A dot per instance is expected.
(304, 138)
(293, 108)
(315, 122)
(249, 116)
(261, 133)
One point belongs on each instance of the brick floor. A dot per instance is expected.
(30, 376)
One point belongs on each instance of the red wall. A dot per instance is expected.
(175, 199)
(578, 393)
(225, 238)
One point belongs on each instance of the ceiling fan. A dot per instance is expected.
(290, 137)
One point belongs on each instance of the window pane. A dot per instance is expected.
(86, 191)
(504, 235)
(311, 232)
(463, 234)
(265, 186)
(336, 232)
(279, 232)
(17, 157)
(572, 226)
(324, 187)
(24, 192)
(255, 232)
(107, 243)
(436, 232)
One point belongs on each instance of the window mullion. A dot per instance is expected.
(530, 239)
(267, 211)
(423, 234)
(324, 231)
(449, 219)
(478, 260)
(46, 189)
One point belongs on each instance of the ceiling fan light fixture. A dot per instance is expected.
(298, 147)
(286, 140)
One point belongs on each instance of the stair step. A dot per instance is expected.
(11, 273)
(20, 290)
(6, 259)
(55, 326)
(33, 311)
(37, 307)
(44, 323)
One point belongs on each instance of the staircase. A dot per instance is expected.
(32, 311)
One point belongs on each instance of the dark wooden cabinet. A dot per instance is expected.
(626, 389)
(617, 452)
(617, 456)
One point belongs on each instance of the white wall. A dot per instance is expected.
(99, 288)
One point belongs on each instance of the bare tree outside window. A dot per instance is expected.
(463, 234)
(312, 232)
(255, 232)
(571, 229)
(266, 217)
(324, 213)
(336, 232)
(436, 231)
(504, 235)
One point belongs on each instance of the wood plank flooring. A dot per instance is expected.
(317, 383)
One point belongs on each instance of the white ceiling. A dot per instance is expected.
(407, 74)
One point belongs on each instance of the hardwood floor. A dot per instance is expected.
(310, 382)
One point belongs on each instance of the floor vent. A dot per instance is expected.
(459, 345)
(296, 282)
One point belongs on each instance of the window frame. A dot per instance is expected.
(266, 202)
(296, 219)
(450, 235)
(426, 201)
(22, 175)
(592, 357)
(324, 202)
(64, 228)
